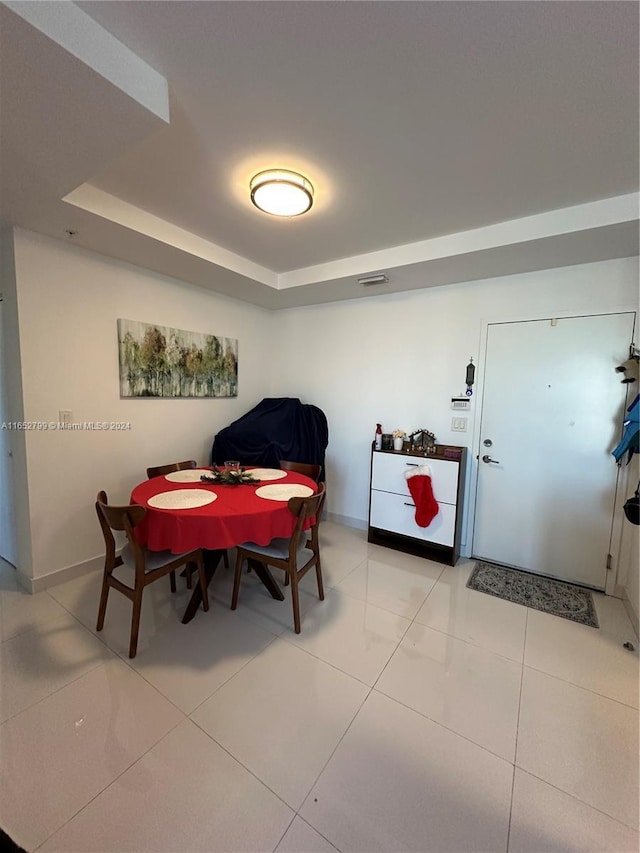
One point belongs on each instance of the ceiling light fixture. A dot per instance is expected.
(281, 193)
(369, 280)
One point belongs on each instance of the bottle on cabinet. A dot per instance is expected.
(378, 444)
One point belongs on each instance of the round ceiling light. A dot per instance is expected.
(281, 193)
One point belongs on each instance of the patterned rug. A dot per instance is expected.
(555, 597)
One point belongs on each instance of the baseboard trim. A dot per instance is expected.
(60, 575)
(356, 523)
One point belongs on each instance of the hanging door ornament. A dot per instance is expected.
(470, 377)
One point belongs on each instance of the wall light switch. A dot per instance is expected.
(459, 424)
(65, 416)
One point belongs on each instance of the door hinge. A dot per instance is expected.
(609, 559)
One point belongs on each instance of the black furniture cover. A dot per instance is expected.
(277, 428)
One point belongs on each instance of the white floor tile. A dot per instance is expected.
(356, 637)
(256, 605)
(397, 585)
(58, 754)
(337, 564)
(424, 765)
(398, 782)
(580, 742)
(20, 611)
(161, 610)
(37, 663)
(347, 538)
(187, 663)
(302, 838)
(589, 657)
(391, 556)
(473, 616)
(282, 716)
(186, 794)
(545, 820)
(465, 688)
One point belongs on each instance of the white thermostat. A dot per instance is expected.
(460, 404)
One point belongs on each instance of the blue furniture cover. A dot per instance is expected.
(277, 428)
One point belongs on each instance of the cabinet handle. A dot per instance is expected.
(406, 504)
(412, 464)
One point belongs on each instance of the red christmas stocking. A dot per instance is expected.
(422, 494)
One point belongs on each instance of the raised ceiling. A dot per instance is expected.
(446, 141)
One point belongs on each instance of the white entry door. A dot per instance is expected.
(552, 412)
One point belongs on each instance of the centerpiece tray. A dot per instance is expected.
(230, 477)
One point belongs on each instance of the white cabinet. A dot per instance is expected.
(392, 511)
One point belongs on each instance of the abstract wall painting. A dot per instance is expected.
(157, 361)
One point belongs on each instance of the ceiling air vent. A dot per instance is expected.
(370, 280)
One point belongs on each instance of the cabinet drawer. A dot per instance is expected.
(389, 470)
(390, 512)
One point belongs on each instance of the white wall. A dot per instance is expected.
(398, 359)
(68, 303)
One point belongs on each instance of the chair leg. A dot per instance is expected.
(236, 581)
(187, 574)
(102, 609)
(286, 578)
(203, 584)
(319, 578)
(295, 601)
(172, 581)
(135, 623)
(225, 557)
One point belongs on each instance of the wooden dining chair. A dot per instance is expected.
(306, 468)
(161, 470)
(289, 554)
(147, 566)
(169, 468)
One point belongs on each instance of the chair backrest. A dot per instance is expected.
(119, 518)
(305, 468)
(304, 508)
(161, 470)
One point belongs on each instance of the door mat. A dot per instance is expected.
(555, 597)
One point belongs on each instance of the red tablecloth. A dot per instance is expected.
(237, 515)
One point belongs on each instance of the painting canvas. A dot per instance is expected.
(156, 361)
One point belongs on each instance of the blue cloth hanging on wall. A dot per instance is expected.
(630, 441)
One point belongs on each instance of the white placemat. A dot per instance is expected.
(267, 473)
(182, 499)
(284, 491)
(190, 475)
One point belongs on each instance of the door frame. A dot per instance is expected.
(611, 587)
(9, 547)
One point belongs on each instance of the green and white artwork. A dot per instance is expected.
(156, 361)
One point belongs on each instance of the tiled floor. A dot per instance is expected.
(410, 714)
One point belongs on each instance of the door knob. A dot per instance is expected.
(486, 458)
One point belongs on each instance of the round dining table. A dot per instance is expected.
(185, 512)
